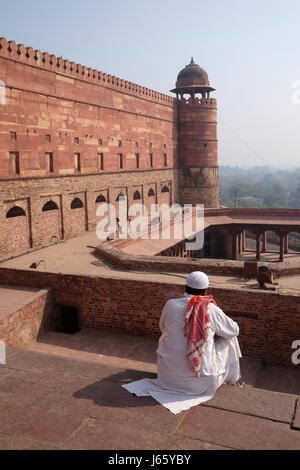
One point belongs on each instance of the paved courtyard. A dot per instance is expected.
(77, 256)
(64, 392)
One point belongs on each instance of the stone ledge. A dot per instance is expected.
(237, 431)
(177, 264)
(255, 402)
(296, 421)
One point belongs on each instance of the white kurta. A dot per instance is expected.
(220, 358)
(176, 386)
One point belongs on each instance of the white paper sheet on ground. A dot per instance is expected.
(173, 401)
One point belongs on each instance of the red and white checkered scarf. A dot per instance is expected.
(197, 323)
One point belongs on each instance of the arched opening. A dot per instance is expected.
(165, 197)
(151, 193)
(165, 189)
(120, 197)
(50, 223)
(100, 199)
(15, 211)
(50, 206)
(137, 196)
(16, 232)
(77, 218)
(100, 205)
(76, 203)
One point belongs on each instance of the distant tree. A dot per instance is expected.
(239, 189)
(275, 188)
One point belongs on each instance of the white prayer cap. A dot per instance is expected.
(197, 280)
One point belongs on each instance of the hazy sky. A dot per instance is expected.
(250, 49)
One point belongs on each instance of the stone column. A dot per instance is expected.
(286, 243)
(281, 247)
(258, 246)
(240, 242)
(243, 240)
(264, 242)
(235, 238)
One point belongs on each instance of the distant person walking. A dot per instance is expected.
(119, 226)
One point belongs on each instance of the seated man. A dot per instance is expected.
(198, 349)
(197, 352)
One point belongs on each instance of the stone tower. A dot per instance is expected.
(197, 138)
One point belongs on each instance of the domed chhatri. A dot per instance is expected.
(192, 72)
(192, 79)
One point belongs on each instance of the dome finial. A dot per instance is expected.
(192, 60)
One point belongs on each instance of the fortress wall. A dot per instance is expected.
(50, 102)
(36, 228)
(269, 322)
(63, 128)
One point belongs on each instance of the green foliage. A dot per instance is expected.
(259, 187)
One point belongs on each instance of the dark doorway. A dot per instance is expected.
(207, 245)
(67, 321)
(214, 245)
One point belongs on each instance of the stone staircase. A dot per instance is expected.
(64, 392)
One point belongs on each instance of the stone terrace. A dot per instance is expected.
(64, 392)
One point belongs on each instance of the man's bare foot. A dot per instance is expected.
(236, 384)
(239, 384)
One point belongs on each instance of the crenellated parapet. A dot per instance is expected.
(45, 61)
(203, 102)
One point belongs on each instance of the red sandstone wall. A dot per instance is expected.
(31, 194)
(269, 322)
(198, 132)
(46, 96)
(51, 223)
(198, 152)
(49, 103)
(23, 327)
(16, 235)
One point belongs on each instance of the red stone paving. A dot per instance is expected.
(65, 393)
(238, 431)
(14, 298)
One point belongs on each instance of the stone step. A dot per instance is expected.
(65, 392)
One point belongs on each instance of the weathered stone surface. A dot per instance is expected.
(237, 430)
(35, 361)
(255, 402)
(9, 442)
(48, 401)
(112, 404)
(94, 434)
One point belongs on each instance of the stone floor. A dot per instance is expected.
(64, 392)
